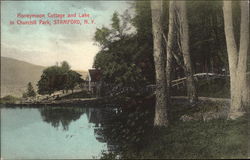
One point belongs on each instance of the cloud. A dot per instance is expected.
(31, 56)
(71, 33)
(79, 56)
(44, 45)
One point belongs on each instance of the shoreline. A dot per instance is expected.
(108, 101)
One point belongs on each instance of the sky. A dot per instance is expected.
(47, 44)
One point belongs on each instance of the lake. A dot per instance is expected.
(75, 132)
(69, 132)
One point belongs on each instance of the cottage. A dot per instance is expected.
(94, 76)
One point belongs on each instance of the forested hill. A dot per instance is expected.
(16, 74)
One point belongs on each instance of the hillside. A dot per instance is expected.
(16, 74)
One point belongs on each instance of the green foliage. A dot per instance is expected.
(65, 66)
(216, 88)
(126, 60)
(104, 36)
(9, 99)
(51, 80)
(118, 64)
(207, 45)
(206, 25)
(116, 22)
(72, 79)
(59, 116)
(101, 36)
(24, 95)
(107, 155)
(197, 139)
(135, 137)
(30, 91)
(56, 78)
(142, 21)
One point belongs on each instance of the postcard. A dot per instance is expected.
(152, 79)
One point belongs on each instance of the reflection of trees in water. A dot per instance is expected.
(123, 129)
(65, 116)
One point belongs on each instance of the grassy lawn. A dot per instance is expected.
(198, 139)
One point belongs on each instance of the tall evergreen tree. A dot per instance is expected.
(30, 90)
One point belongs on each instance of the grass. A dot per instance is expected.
(196, 139)
(217, 88)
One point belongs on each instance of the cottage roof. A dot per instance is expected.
(95, 75)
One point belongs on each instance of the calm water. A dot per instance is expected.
(69, 132)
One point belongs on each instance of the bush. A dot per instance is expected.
(9, 99)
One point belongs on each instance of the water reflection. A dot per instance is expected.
(30, 133)
(85, 131)
(122, 129)
(57, 116)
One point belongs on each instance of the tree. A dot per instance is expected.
(57, 78)
(184, 42)
(102, 37)
(24, 95)
(142, 22)
(121, 59)
(116, 23)
(65, 66)
(207, 45)
(61, 116)
(161, 118)
(73, 78)
(169, 47)
(237, 57)
(30, 91)
(52, 79)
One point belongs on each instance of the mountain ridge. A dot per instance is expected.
(16, 74)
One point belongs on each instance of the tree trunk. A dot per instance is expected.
(247, 94)
(184, 38)
(161, 118)
(169, 47)
(237, 59)
(244, 50)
